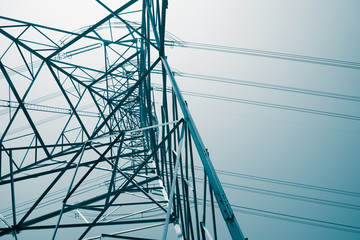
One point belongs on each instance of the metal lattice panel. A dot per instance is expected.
(85, 152)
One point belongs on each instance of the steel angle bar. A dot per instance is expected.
(194, 184)
(151, 17)
(206, 231)
(32, 208)
(52, 63)
(103, 116)
(2, 219)
(121, 189)
(13, 204)
(49, 187)
(128, 231)
(214, 181)
(136, 85)
(24, 225)
(130, 214)
(90, 29)
(114, 68)
(172, 190)
(75, 225)
(38, 166)
(49, 62)
(125, 237)
(27, 224)
(68, 191)
(24, 60)
(28, 24)
(213, 211)
(21, 105)
(18, 71)
(68, 99)
(127, 24)
(102, 155)
(140, 129)
(137, 185)
(38, 30)
(111, 184)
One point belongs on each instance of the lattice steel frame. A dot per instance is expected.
(80, 134)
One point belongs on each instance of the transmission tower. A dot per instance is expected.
(86, 151)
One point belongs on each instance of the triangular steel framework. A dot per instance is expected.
(86, 153)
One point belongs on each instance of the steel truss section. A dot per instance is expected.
(85, 151)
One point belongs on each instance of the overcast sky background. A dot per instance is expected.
(267, 142)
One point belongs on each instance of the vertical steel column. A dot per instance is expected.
(12, 188)
(214, 181)
(173, 184)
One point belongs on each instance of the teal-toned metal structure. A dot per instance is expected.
(86, 153)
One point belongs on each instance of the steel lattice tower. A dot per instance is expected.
(85, 151)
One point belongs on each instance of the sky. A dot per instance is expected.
(268, 142)
(261, 141)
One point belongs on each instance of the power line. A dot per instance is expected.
(286, 183)
(291, 218)
(287, 195)
(236, 208)
(267, 86)
(267, 54)
(5, 103)
(265, 104)
(297, 219)
(290, 196)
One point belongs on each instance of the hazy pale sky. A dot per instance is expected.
(268, 142)
(261, 141)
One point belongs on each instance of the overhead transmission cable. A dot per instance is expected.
(267, 54)
(267, 86)
(242, 209)
(264, 104)
(291, 218)
(4, 103)
(286, 183)
(291, 196)
(296, 219)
